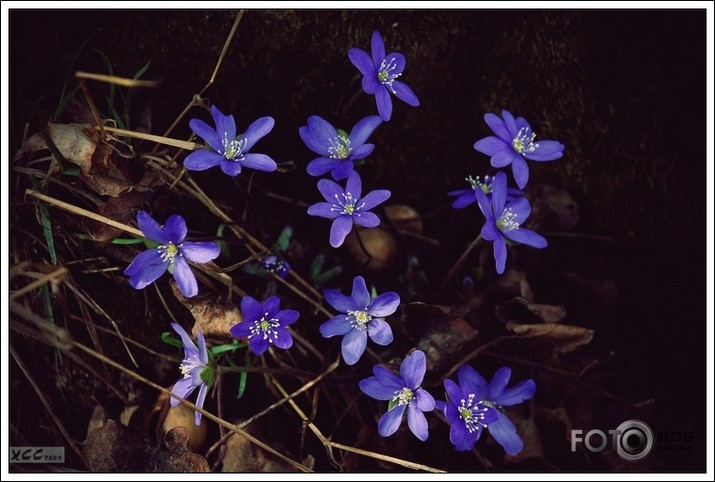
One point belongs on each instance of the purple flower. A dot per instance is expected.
(513, 143)
(475, 404)
(362, 316)
(197, 368)
(264, 324)
(504, 221)
(275, 264)
(379, 75)
(228, 150)
(346, 206)
(404, 393)
(171, 254)
(337, 150)
(467, 196)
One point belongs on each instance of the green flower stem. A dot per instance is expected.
(458, 265)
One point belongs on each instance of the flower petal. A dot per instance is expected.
(499, 193)
(496, 124)
(203, 353)
(384, 103)
(204, 131)
(362, 152)
(271, 307)
(370, 84)
(378, 49)
(373, 198)
(521, 171)
(258, 345)
(342, 225)
(353, 345)
(454, 392)
(314, 143)
(322, 130)
(417, 422)
(460, 436)
(516, 394)
(259, 162)
(251, 309)
(372, 387)
(491, 145)
(504, 432)
(360, 293)
(142, 260)
(287, 317)
(283, 339)
(183, 388)
(147, 275)
(380, 332)
(321, 165)
(324, 210)
(225, 124)
(510, 123)
(396, 61)
(340, 302)
(504, 157)
(230, 167)
(202, 159)
(354, 185)
(424, 401)
(331, 191)
(490, 231)
(185, 278)
(342, 170)
(547, 151)
(405, 94)
(362, 61)
(151, 229)
(390, 422)
(527, 237)
(175, 229)
(189, 346)
(258, 128)
(363, 129)
(200, 399)
(467, 374)
(498, 384)
(337, 325)
(366, 219)
(388, 378)
(521, 209)
(200, 252)
(241, 330)
(384, 305)
(500, 254)
(485, 204)
(413, 369)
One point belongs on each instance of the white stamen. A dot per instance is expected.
(265, 328)
(362, 318)
(507, 221)
(523, 143)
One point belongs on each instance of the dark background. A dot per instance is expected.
(623, 90)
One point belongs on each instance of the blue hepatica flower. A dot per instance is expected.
(264, 324)
(514, 143)
(362, 316)
(275, 264)
(337, 149)
(171, 254)
(404, 393)
(228, 150)
(475, 404)
(505, 220)
(197, 368)
(467, 196)
(345, 206)
(380, 75)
